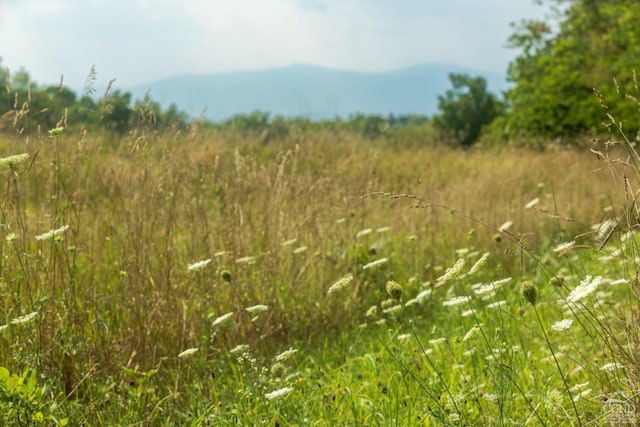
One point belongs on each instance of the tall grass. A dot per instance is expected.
(134, 324)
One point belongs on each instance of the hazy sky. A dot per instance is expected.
(138, 41)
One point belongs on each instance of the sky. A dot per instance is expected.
(140, 41)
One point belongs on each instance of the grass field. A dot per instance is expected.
(192, 279)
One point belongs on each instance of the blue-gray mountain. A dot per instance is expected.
(315, 92)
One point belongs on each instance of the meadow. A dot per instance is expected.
(199, 278)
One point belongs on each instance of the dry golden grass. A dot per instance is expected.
(116, 290)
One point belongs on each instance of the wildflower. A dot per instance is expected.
(456, 301)
(240, 348)
(383, 229)
(22, 320)
(52, 233)
(471, 332)
(188, 352)
(197, 266)
(507, 225)
(579, 387)
(226, 276)
(363, 232)
(393, 310)
(246, 260)
(299, 250)
(497, 304)
(437, 341)
(493, 398)
(582, 394)
(373, 310)
(13, 160)
(403, 337)
(585, 288)
(289, 242)
(375, 263)
(56, 131)
(562, 325)
(532, 203)
(257, 308)
(394, 290)
(563, 247)
(418, 299)
(10, 237)
(529, 292)
(387, 303)
(553, 400)
(603, 228)
(452, 272)
(467, 313)
(613, 282)
(479, 264)
(286, 355)
(340, 284)
(483, 289)
(613, 366)
(278, 393)
(221, 319)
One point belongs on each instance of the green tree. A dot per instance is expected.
(466, 108)
(556, 72)
(116, 113)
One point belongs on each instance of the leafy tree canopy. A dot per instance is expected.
(466, 108)
(557, 71)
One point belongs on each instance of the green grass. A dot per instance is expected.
(125, 333)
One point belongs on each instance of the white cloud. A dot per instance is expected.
(144, 40)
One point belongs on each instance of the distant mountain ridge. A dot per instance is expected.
(311, 91)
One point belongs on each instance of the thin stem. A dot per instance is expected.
(564, 381)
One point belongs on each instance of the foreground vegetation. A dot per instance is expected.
(156, 271)
(190, 278)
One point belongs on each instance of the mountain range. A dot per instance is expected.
(311, 91)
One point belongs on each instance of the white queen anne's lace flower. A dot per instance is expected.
(13, 160)
(452, 272)
(456, 301)
(278, 393)
(52, 233)
(197, 266)
(187, 353)
(562, 325)
(585, 288)
(340, 284)
(221, 319)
